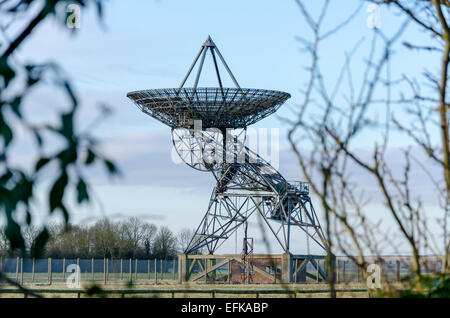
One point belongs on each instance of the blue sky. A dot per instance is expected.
(150, 44)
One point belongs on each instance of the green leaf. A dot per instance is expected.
(6, 71)
(38, 246)
(68, 155)
(6, 177)
(41, 162)
(5, 130)
(112, 169)
(67, 125)
(94, 290)
(14, 235)
(57, 191)
(82, 191)
(32, 80)
(49, 7)
(23, 190)
(15, 106)
(28, 217)
(90, 157)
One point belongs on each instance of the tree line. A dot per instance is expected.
(130, 238)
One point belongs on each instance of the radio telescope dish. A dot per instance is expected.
(214, 106)
(245, 185)
(218, 107)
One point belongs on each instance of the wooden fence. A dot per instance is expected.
(104, 270)
(210, 292)
(47, 271)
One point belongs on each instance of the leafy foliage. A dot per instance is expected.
(94, 291)
(427, 286)
(17, 186)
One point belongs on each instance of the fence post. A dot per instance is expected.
(104, 270)
(337, 271)
(397, 269)
(229, 271)
(247, 269)
(161, 262)
(64, 268)
(206, 271)
(135, 269)
(156, 272)
(131, 275)
(343, 271)
(121, 271)
(317, 270)
(173, 269)
(50, 270)
(1, 263)
(17, 268)
(78, 264)
(92, 268)
(295, 271)
(32, 271)
(148, 268)
(107, 269)
(21, 270)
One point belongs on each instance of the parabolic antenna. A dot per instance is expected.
(243, 188)
(215, 107)
(218, 107)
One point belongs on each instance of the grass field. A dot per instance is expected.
(43, 278)
(175, 290)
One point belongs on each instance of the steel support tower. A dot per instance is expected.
(255, 187)
(246, 185)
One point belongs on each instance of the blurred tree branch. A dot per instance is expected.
(331, 124)
(17, 185)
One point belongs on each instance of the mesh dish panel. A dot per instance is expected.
(215, 107)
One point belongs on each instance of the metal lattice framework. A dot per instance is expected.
(255, 187)
(247, 258)
(215, 107)
(244, 187)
